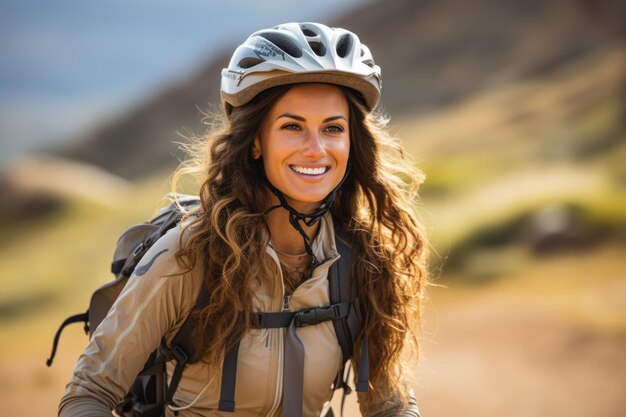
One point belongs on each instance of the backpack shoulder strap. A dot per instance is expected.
(184, 353)
(343, 288)
(182, 349)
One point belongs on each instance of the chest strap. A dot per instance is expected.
(283, 319)
(302, 318)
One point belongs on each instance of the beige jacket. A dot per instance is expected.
(157, 303)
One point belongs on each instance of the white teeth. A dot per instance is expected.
(309, 171)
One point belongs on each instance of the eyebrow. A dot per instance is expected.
(302, 119)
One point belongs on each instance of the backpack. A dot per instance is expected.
(150, 392)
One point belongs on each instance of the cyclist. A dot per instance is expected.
(301, 160)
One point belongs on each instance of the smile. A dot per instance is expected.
(308, 170)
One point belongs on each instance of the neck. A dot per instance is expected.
(284, 237)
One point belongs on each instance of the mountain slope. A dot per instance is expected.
(433, 54)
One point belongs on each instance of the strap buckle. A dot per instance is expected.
(179, 354)
(316, 315)
(139, 251)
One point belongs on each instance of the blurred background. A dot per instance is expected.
(515, 109)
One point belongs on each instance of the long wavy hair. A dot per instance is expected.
(375, 207)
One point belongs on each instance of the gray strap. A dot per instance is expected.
(293, 373)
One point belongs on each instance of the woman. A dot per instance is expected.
(299, 157)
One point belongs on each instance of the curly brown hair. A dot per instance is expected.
(375, 207)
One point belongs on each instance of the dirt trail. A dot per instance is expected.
(490, 357)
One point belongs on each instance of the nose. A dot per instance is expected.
(314, 147)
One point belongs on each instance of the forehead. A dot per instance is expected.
(312, 98)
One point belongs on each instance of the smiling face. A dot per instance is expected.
(305, 143)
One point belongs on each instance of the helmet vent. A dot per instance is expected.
(344, 45)
(362, 52)
(249, 62)
(369, 63)
(283, 42)
(308, 32)
(318, 48)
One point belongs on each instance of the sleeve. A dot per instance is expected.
(387, 403)
(154, 302)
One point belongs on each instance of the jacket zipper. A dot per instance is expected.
(279, 376)
(286, 300)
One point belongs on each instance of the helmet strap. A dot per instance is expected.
(295, 217)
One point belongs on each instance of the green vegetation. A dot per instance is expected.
(530, 168)
(55, 267)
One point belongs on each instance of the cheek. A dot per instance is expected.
(342, 152)
(269, 168)
(272, 161)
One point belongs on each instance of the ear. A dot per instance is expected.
(256, 148)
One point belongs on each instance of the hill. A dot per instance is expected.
(515, 109)
(434, 54)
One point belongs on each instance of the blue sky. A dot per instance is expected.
(69, 65)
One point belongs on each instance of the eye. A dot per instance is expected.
(334, 129)
(290, 126)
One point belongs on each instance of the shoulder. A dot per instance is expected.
(161, 256)
(163, 272)
(167, 249)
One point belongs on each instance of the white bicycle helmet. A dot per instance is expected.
(300, 52)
